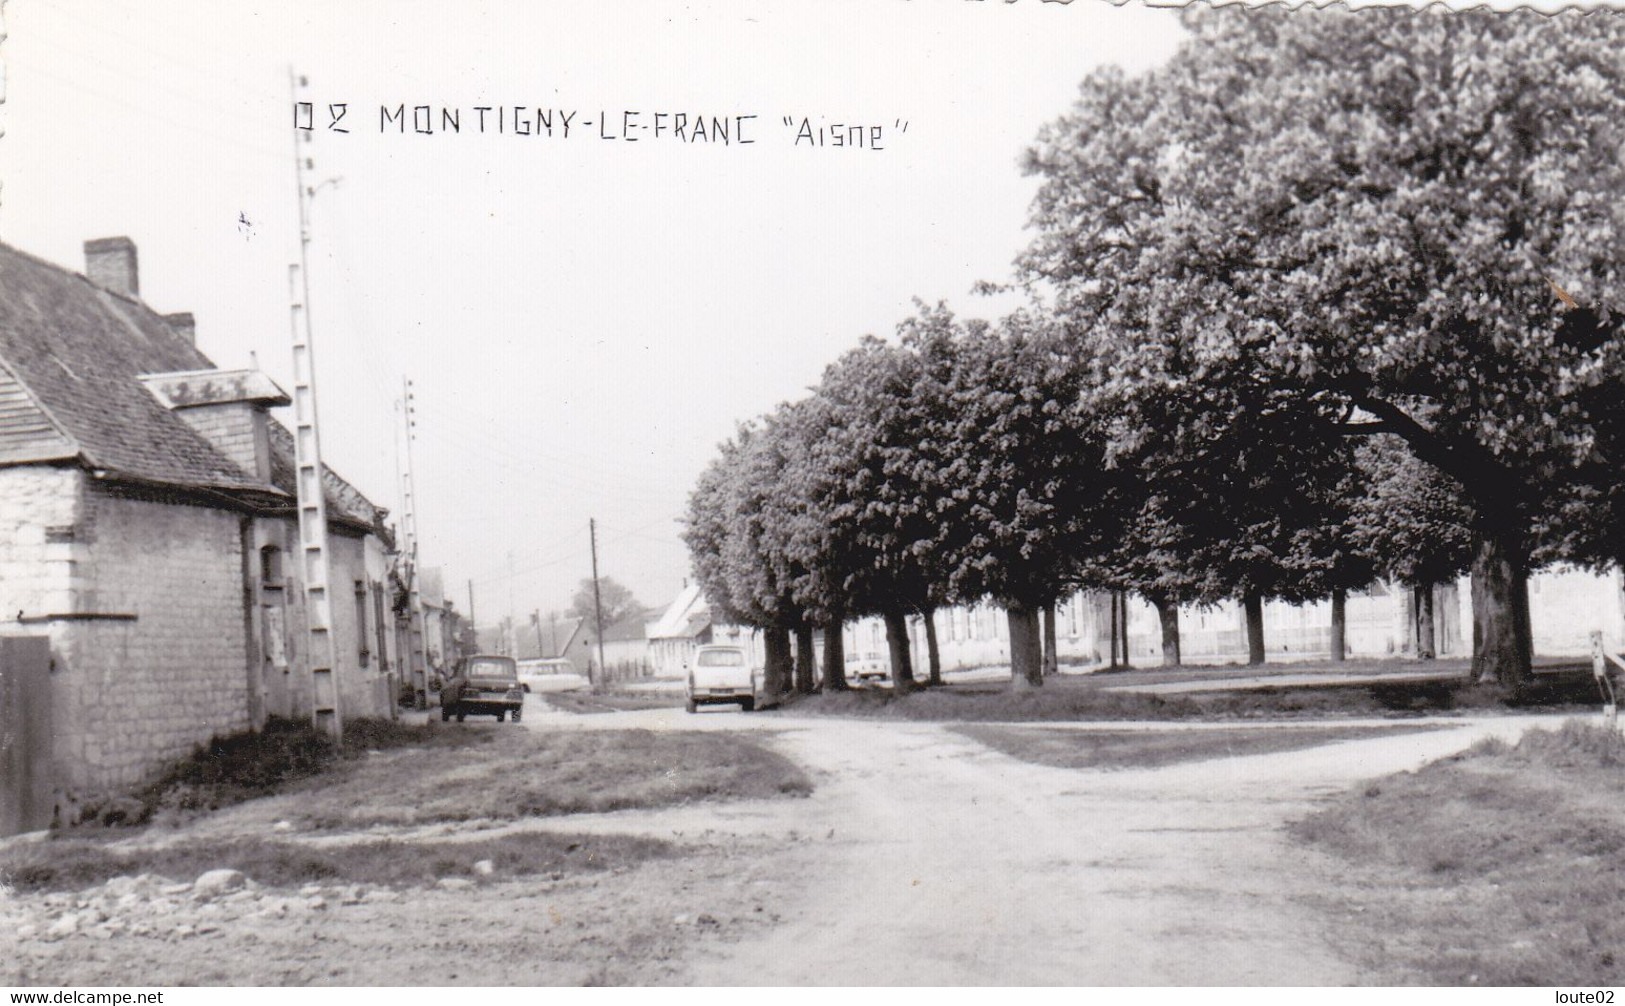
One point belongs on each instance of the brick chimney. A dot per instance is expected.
(184, 325)
(110, 264)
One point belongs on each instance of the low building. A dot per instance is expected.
(147, 532)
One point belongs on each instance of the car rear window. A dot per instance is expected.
(721, 658)
(492, 669)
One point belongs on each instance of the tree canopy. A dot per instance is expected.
(1323, 298)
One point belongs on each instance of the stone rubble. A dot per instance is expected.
(158, 908)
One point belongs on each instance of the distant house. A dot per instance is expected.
(625, 645)
(685, 625)
(443, 626)
(147, 533)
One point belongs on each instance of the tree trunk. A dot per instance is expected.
(933, 654)
(1254, 605)
(1425, 647)
(1052, 660)
(1502, 648)
(1111, 596)
(902, 668)
(1026, 646)
(1340, 624)
(806, 659)
(776, 673)
(1122, 625)
(834, 657)
(1168, 615)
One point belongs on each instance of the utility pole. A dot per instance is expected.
(597, 601)
(417, 634)
(510, 638)
(473, 626)
(540, 653)
(308, 490)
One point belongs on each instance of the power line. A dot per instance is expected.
(145, 110)
(144, 45)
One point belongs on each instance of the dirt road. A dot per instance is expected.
(927, 858)
(922, 857)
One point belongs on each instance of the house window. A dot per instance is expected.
(363, 652)
(379, 623)
(271, 567)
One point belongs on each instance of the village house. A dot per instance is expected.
(147, 536)
(686, 625)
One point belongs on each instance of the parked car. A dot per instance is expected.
(721, 674)
(483, 685)
(867, 666)
(551, 674)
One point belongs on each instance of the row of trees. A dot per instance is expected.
(1326, 298)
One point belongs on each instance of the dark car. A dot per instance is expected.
(483, 685)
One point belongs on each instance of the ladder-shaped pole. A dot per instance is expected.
(418, 634)
(307, 455)
(324, 692)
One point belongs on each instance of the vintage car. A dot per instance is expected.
(550, 674)
(719, 674)
(483, 685)
(867, 666)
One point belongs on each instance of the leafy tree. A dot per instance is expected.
(733, 517)
(1411, 518)
(1366, 211)
(617, 601)
(1018, 459)
(880, 479)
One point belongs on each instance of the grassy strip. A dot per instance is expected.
(521, 773)
(77, 864)
(1154, 749)
(230, 770)
(1072, 699)
(612, 702)
(1499, 867)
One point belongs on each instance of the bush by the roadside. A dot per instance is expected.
(76, 864)
(1497, 867)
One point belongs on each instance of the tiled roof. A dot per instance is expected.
(679, 617)
(344, 501)
(71, 353)
(631, 627)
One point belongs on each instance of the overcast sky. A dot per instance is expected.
(584, 319)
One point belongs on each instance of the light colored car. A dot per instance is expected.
(719, 674)
(867, 666)
(550, 674)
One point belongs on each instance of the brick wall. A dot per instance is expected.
(363, 690)
(38, 509)
(129, 695)
(133, 696)
(237, 430)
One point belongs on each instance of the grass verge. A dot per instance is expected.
(77, 864)
(1154, 749)
(611, 702)
(230, 770)
(1091, 698)
(1502, 866)
(521, 773)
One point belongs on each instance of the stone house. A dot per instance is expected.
(147, 532)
